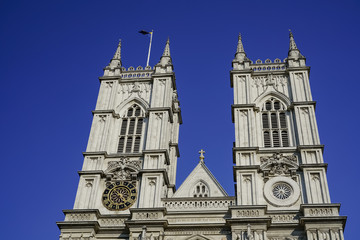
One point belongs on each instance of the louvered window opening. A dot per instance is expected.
(275, 130)
(131, 130)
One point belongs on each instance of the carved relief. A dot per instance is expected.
(143, 216)
(278, 164)
(175, 96)
(284, 218)
(122, 169)
(162, 81)
(247, 213)
(136, 89)
(79, 217)
(279, 82)
(159, 116)
(111, 222)
(102, 118)
(196, 205)
(321, 212)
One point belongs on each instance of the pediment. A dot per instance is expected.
(201, 175)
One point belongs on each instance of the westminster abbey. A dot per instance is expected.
(127, 183)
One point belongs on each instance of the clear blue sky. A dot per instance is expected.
(53, 51)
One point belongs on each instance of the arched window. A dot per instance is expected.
(131, 130)
(274, 124)
(201, 190)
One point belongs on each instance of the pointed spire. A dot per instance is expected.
(116, 60)
(166, 58)
(117, 54)
(292, 41)
(295, 58)
(166, 52)
(240, 47)
(240, 55)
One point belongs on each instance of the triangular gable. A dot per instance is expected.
(200, 174)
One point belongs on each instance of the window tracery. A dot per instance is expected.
(201, 190)
(131, 130)
(274, 124)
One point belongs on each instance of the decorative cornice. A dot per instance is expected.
(157, 151)
(92, 172)
(112, 112)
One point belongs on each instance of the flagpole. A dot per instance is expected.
(151, 35)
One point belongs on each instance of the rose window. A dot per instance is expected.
(282, 191)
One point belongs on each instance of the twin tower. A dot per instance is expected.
(127, 183)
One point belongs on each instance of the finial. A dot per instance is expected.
(117, 54)
(292, 41)
(240, 47)
(202, 155)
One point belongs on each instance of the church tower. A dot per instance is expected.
(127, 183)
(131, 156)
(281, 186)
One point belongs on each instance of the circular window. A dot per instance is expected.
(281, 191)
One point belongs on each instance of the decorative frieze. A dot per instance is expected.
(247, 213)
(80, 217)
(146, 215)
(197, 231)
(321, 212)
(313, 211)
(196, 220)
(185, 205)
(111, 222)
(284, 218)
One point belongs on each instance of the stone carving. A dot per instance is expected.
(321, 212)
(284, 218)
(261, 83)
(197, 205)
(175, 96)
(194, 220)
(278, 164)
(122, 169)
(79, 217)
(197, 231)
(102, 118)
(269, 80)
(150, 215)
(159, 116)
(111, 222)
(136, 89)
(247, 213)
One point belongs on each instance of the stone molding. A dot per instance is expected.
(198, 204)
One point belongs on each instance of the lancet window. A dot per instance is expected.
(201, 190)
(274, 124)
(131, 130)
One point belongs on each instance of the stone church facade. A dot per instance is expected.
(127, 183)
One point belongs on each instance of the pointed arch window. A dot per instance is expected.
(131, 130)
(201, 190)
(274, 124)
